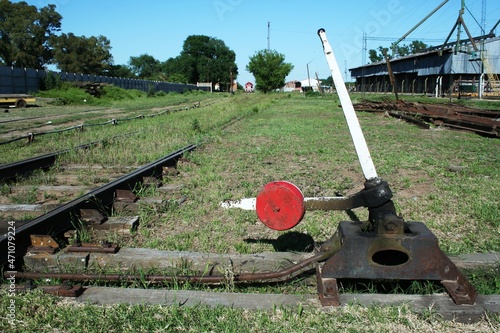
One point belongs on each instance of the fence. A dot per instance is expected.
(27, 80)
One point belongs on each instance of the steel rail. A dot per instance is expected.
(81, 126)
(48, 116)
(59, 220)
(478, 121)
(11, 170)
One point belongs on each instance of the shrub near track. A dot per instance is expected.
(305, 141)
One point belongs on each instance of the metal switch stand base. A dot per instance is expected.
(413, 255)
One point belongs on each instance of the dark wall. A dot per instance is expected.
(26, 80)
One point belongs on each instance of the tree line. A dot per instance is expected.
(32, 38)
(376, 55)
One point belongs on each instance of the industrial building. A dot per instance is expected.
(439, 71)
(467, 67)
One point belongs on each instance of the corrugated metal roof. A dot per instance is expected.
(437, 62)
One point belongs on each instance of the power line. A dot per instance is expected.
(390, 39)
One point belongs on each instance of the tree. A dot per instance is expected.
(269, 69)
(25, 32)
(374, 56)
(378, 55)
(120, 71)
(417, 46)
(203, 59)
(171, 72)
(328, 81)
(79, 54)
(145, 66)
(397, 51)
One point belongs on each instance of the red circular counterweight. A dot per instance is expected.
(280, 205)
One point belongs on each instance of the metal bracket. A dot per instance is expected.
(42, 244)
(104, 247)
(414, 255)
(328, 291)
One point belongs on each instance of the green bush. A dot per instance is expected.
(151, 90)
(68, 94)
(113, 93)
(51, 81)
(312, 93)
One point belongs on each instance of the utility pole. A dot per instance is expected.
(458, 25)
(308, 78)
(483, 18)
(319, 84)
(392, 78)
(460, 20)
(363, 60)
(268, 35)
(231, 90)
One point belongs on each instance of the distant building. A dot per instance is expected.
(292, 86)
(301, 85)
(438, 71)
(249, 87)
(313, 83)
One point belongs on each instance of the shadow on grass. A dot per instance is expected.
(290, 242)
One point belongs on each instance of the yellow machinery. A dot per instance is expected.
(16, 100)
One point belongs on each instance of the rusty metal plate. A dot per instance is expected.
(328, 291)
(43, 241)
(41, 250)
(63, 290)
(93, 248)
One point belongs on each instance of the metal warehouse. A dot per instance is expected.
(467, 68)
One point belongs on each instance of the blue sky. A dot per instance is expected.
(159, 27)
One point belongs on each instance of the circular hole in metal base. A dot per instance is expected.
(390, 257)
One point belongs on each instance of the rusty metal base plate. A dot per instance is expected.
(414, 255)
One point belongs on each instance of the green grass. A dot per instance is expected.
(44, 313)
(125, 133)
(304, 141)
(24, 196)
(35, 309)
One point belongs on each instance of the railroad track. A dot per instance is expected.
(100, 200)
(38, 257)
(87, 261)
(447, 115)
(118, 116)
(32, 211)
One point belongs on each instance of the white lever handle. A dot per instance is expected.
(350, 115)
